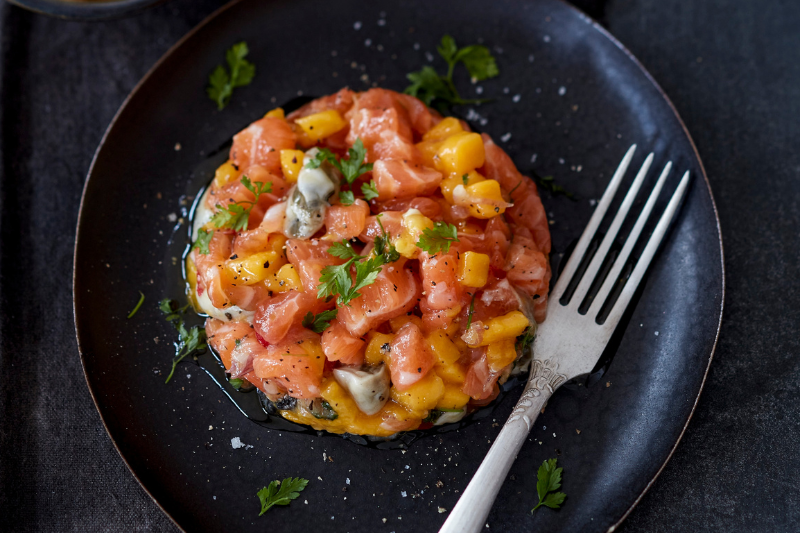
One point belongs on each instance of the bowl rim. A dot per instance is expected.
(71, 10)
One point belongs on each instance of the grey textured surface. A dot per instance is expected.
(732, 69)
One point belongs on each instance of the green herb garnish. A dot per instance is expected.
(350, 168)
(189, 340)
(525, 340)
(369, 190)
(343, 250)
(203, 240)
(549, 480)
(336, 280)
(236, 383)
(320, 322)
(547, 183)
(383, 244)
(347, 197)
(465, 179)
(440, 91)
(471, 310)
(438, 238)
(221, 83)
(235, 216)
(138, 305)
(280, 492)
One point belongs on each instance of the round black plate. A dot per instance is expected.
(582, 101)
(67, 9)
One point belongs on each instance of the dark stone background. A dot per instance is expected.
(731, 67)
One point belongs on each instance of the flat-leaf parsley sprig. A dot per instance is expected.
(440, 237)
(319, 323)
(236, 215)
(221, 83)
(549, 480)
(440, 91)
(351, 168)
(280, 492)
(189, 340)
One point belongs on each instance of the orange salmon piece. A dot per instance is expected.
(339, 345)
(399, 179)
(261, 143)
(410, 359)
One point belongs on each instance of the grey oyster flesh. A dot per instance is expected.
(308, 199)
(369, 388)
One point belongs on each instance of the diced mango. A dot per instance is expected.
(322, 124)
(398, 322)
(191, 280)
(375, 347)
(276, 243)
(226, 173)
(473, 269)
(422, 395)
(509, 326)
(443, 129)
(448, 184)
(428, 150)
(454, 373)
(414, 223)
(501, 354)
(275, 113)
(489, 190)
(285, 279)
(291, 163)
(253, 268)
(453, 398)
(303, 139)
(459, 154)
(443, 348)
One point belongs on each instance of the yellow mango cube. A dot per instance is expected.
(375, 347)
(428, 150)
(490, 191)
(414, 223)
(285, 279)
(448, 184)
(226, 173)
(444, 129)
(422, 395)
(453, 398)
(501, 354)
(398, 322)
(253, 268)
(473, 269)
(275, 113)
(459, 154)
(291, 164)
(454, 373)
(322, 124)
(443, 348)
(508, 326)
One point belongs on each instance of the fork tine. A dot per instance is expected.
(594, 222)
(630, 242)
(647, 255)
(594, 266)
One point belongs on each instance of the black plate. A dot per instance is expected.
(583, 101)
(67, 9)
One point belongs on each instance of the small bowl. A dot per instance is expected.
(85, 9)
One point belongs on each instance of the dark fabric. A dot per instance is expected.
(732, 68)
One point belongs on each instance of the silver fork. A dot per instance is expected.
(568, 344)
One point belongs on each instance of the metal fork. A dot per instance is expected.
(568, 344)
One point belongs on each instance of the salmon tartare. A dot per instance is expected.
(370, 266)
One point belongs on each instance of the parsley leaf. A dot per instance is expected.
(547, 183)
(138, 305)
(471, 310)
(221, 83)
(236, 215)
(438, 238)
(525, 340)
(319, 323)
(347, 197)
(465, 179)
(236, 383)
(280, 492)
(343, 250)
(202, 241)
(351, 168)
(369, 190)
(261, 187)
(383, 245)
(431, 88)
(189, 340)
(549, 479)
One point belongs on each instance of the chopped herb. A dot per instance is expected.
(343, 250)
(336, 279)
(471, 310)
(347, 197)
(203, 240)
(236, 215)
(138, 305)
(221, 83)
(189, 340)
(438, 238)
(383, 245)
(350, 168)
(319, 323)
(549, 479)
(547, 183)
(236, 383)
(525, 340)
(440, 91)
(369, 190)
(465, 179)
(280, 492)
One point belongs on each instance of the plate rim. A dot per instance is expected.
(597, 26)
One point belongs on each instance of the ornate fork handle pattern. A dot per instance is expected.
(544, 379)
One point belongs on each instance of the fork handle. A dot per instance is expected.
(469, 514)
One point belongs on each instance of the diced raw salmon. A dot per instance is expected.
(527, 267)
(439, 282)
(399, 179)
(339, 345)
(276, 316)
(529, 212)
(392, 222)
(427, 206)
(346, 221)
(309, 258)
(341, 101)
(261, 143)
(296, 363)
(410, 359)
(480, 381)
